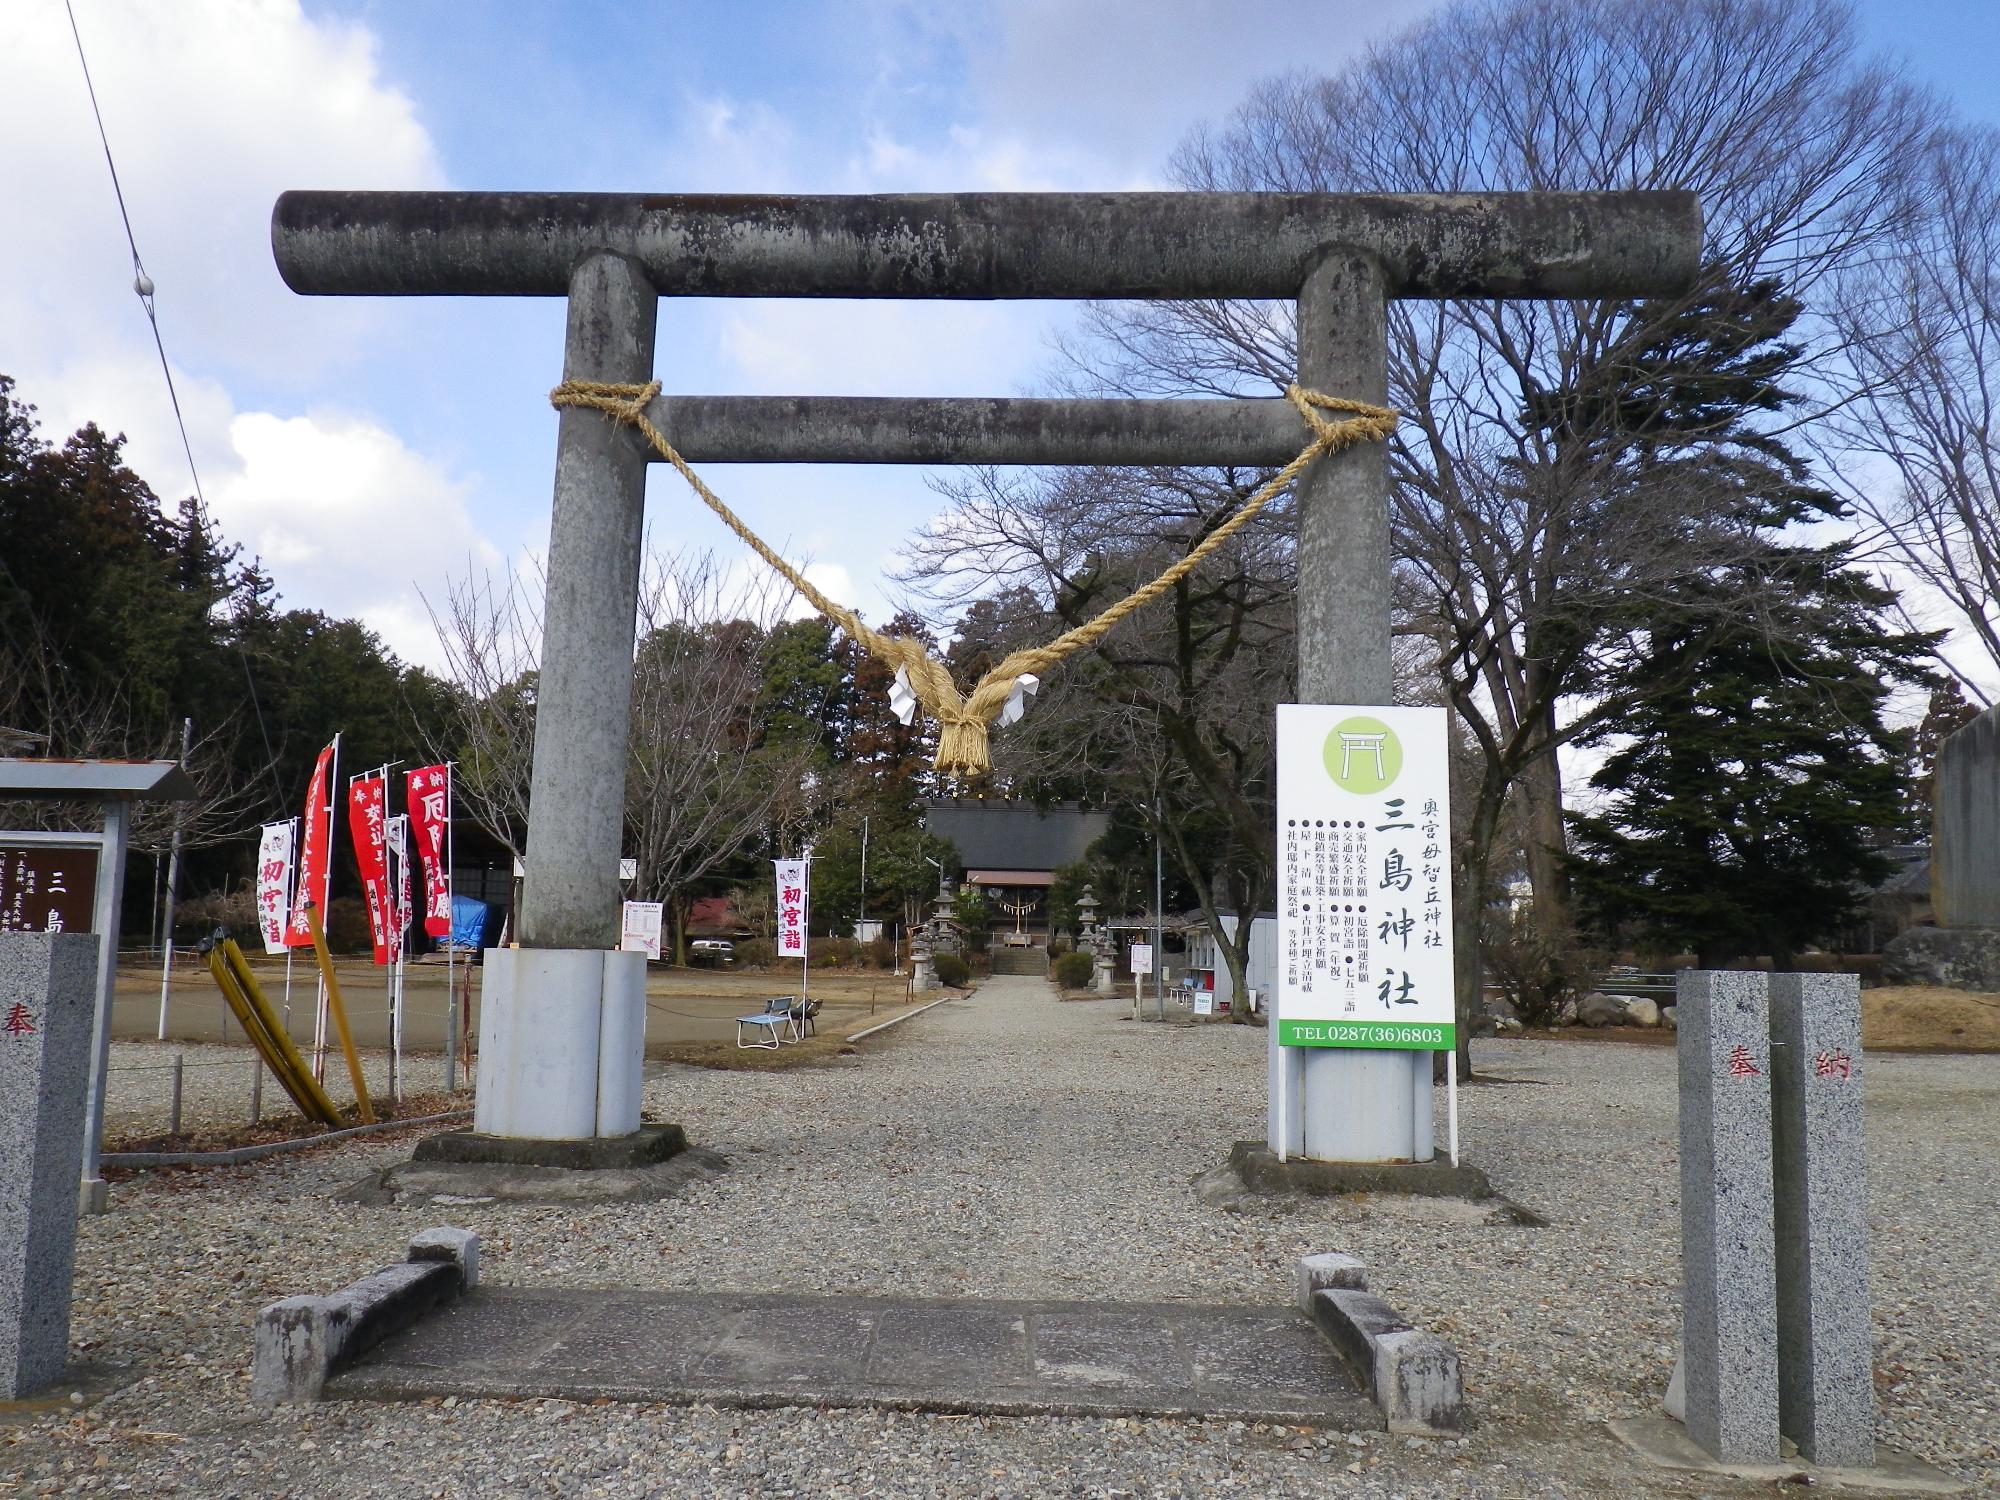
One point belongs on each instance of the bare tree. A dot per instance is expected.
(1527, 536)
(1170, 714)
(491, 635)
(704, 782)
(1919, 449)
(79, 725)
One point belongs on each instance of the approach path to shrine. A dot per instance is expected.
(1010, 1147)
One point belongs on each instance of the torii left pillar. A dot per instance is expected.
(562, 1027)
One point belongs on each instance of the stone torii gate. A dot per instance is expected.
(563, 1025)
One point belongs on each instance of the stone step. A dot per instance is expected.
(1021, 961)
(759, 1350)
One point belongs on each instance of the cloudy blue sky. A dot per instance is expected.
(372, 449)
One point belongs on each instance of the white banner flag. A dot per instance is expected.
(791, 907)
(274, 883)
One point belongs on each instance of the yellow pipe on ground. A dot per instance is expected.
(239, 1006)
(339, 1013)
(288, 1066)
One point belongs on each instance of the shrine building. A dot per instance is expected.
(1011, 852)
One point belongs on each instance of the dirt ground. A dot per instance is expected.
(1926, 1018)
(1894, 1018)
(686, 1008)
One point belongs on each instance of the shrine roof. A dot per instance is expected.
(95, 780)
(993, 834)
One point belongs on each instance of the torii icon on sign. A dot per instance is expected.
(1365, 744)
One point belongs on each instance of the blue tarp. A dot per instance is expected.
(473, 923)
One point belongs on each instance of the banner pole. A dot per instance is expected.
(173, 879)
(291, 895)
(453, 1047)
(805, 939)
(403, 909)
(320, 1013)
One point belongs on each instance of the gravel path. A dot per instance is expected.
(1010, 1146)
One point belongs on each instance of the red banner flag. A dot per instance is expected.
(367, 817)
(428, 797)
(311, 886)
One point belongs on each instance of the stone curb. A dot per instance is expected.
(1413, 1376)
(241, 1154)
(908, 1015)
(302, 1341)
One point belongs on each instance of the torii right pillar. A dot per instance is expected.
(1364, 1104)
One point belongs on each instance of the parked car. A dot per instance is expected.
(712, 950)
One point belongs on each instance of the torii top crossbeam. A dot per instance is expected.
(986, 245)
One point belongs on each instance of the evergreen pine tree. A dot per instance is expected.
(1743, 814)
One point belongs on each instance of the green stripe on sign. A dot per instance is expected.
(1414, 1036)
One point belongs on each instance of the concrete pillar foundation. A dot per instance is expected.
(562, 1039)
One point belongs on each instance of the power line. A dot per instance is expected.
(141, 282)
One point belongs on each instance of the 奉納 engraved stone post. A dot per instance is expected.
(48, 990)
(1729, 1315)
(1826, 1396)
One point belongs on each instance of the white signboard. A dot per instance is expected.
(791, 880)
(1204, 1003)
(274, 884)
(628, 869)
(1142, 958)
(642, 928)
(1364, 878)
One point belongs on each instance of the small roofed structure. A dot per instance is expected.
(30, 780)
(112, 786)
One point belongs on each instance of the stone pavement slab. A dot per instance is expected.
(760, 1350)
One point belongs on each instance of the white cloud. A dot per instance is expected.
(213, 108)
(350, 518)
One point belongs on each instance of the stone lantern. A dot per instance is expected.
(1098, 943)
(944, 933)
(923, 971)
(1086, 914)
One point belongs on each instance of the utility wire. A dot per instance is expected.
(142, 284)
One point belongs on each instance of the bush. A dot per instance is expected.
(952, 970)
(1074, 971)
(754, 953)
(1058, 946)
(882, 953)
(1538, 973)
(347, 926)
(234, 911)
(834, 953)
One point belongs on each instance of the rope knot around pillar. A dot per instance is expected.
(964, 719)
